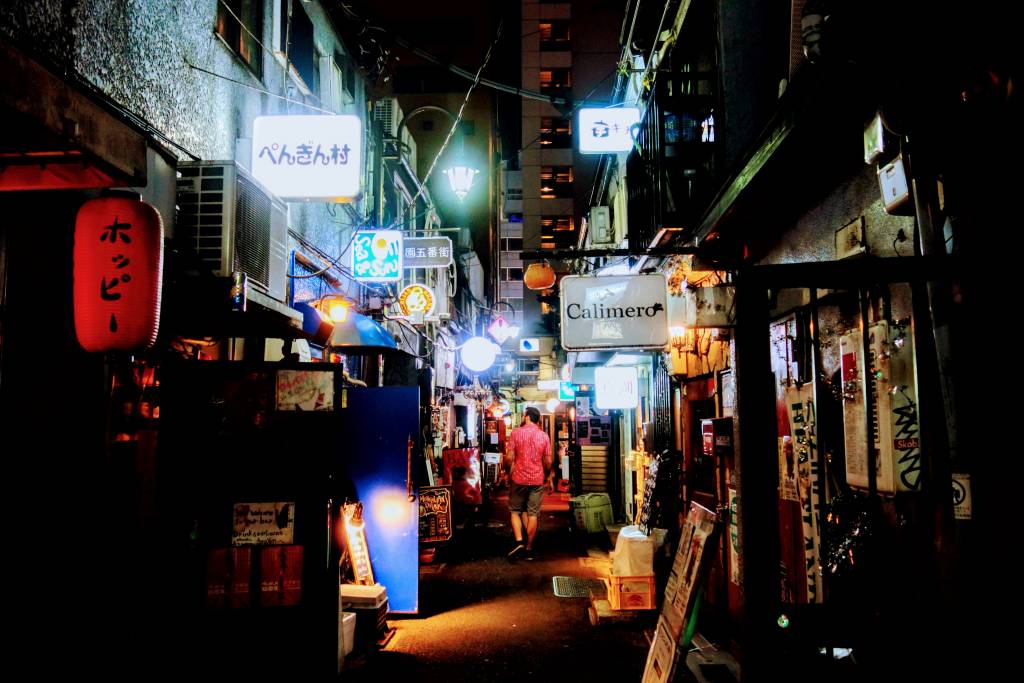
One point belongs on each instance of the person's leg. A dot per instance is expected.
(532, 514)
(517, 502)
(531, 529)
(517, 525)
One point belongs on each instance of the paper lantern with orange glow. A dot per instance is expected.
(539, 276)
(118, 266)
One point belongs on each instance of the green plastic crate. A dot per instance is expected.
(592, 511)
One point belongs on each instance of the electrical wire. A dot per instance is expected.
(458, 117)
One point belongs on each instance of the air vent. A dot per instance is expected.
(234, 224)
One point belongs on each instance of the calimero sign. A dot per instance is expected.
(614, 312)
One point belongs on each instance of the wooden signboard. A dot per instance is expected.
(435, 514)
(682, 595)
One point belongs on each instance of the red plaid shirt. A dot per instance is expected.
(528, 445)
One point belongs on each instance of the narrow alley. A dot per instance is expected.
(484, 618)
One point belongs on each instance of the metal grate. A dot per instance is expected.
(575, 587)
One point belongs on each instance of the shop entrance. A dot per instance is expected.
(844, 453)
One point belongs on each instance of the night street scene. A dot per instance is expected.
(621, 341)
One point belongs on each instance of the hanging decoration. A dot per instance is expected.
(539, 276)
(118, 267)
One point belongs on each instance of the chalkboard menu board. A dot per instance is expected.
(650, 484)
(661, 489)
(435, 514)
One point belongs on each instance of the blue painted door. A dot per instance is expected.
(373, 452)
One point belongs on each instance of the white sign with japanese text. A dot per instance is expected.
(308, 157)
(604, 131)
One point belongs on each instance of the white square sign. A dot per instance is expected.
(614, 312)
(308, 157)
(608, 130)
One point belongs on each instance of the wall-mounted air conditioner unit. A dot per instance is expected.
(600, 227)
(389, 113)
(234, 224)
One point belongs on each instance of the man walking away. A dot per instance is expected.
(529, 465)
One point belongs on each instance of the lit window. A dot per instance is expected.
(241, 33)
(555, 79)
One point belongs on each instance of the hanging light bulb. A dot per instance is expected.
(552, 404)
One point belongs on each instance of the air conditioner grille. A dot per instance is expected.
(252, 232)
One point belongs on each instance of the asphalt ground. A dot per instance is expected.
(485, 618)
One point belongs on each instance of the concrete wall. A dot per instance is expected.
(138, 53)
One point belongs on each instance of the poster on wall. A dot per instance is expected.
(305, 390)
(858, 379)
(263, 524)
(734, 538)
(435, 514)
(787, 469)
(906, 429)
(803, 427)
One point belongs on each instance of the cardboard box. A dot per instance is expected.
(631, 592)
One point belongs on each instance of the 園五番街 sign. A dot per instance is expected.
(263, 524)
(614, 312)
(427, 252)
(308, 157)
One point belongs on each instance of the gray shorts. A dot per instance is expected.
(525, 498)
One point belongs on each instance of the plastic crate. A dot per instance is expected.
(631, 592)
(592, 511)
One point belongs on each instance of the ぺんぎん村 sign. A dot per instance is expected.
(614, 312)
(308, 157)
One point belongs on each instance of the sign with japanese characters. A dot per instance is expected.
(308, 157)
(427, 252)
(604, 131)
(377, 255)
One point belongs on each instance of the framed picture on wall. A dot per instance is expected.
(726, 390)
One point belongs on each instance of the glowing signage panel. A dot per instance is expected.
(616, 388)
(604, 131)
(308, 157)
(377, 255)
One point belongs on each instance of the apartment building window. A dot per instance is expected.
(514, 194)
(512, 244)
(554, 35)
(555, 80)
(297, 36)
(240, 24)
(512, 274)
(555, 133)
(556, 182)
(551, 224)
(529, 366)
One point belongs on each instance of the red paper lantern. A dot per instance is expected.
(539, 276)
(119, 256)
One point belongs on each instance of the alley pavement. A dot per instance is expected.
(483, 617)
